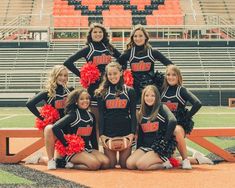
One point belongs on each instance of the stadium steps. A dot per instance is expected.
(201, 67)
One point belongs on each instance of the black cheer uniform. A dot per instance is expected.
(117, 113)
(81, 123)
(176, 97)
(58, 102)
(98, 54)
(151, 133)
(142, 64)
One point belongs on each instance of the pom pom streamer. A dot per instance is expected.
(128, 78)
(158, 80)
(50, 115)
(164, 148)
(89, 74)
(75, 145)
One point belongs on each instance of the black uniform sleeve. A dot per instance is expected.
(133, 110)
(160, 57)
(69, 63)
(101, 108)
(93, 137)
(140, 137)
(193, 100)
(31, 103)
(123, 59)
(60, 125)
(116, 53)
(170, 119)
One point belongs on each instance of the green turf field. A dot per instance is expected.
(206, 117)
(7, 178)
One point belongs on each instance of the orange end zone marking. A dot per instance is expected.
(198, 134)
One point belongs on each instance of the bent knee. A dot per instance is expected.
(130, 164)
(141, 165)
(94, 165)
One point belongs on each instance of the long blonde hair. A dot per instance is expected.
(50, 83)
(103, 88)
(177, 71)
(131, 42)
(156, 104)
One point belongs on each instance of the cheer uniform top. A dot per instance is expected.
(164, 125)
(117, 114)
(58, 102)
(142, 65)
(98, 54)
(79, 122)
(176, 97)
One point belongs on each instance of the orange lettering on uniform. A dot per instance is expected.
(171, 105)
(60, 104)
(84, 131)
(140, 66)
(100, 60)
(116, 103)
(150, 127)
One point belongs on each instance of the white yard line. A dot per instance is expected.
(193, 150)
(16, 114)
(216, 113)
(8, 117)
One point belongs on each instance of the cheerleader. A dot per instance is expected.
(175, 96)
(55, 93)
(141, 58)
(78, 120)
(98, 51)
(155, 143)
(117, 112)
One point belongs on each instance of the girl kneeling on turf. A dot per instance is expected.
(155, 143)
(80, 121)
(117, 112)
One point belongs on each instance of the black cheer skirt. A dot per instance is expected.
(164, 149)
(184, 120)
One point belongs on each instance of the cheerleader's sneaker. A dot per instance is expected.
(202, 159)
(186, 164)
(69, 165)
(35, 158)
(51, 165)
(167, 164)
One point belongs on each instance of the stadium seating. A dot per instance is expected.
(124, 13)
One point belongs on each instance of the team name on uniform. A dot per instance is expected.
(150, 127)
(116, 103)
(171, 105)
(140, 66)
(84, 131)
(100, 60)
(60, 104)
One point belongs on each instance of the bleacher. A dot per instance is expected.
(23, 69)
(117, 13)
(202, 67)
(225, 8)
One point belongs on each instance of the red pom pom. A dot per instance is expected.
(89, 74)
(50, 115)
(128, 78)
(75, 145)
(174, 162)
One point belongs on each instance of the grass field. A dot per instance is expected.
(8, 178)
(206, 117)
